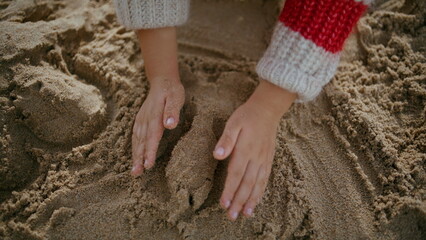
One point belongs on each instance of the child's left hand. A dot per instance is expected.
(249, 137)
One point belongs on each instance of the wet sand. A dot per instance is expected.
(350, 165)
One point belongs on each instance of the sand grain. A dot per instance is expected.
(349, 165)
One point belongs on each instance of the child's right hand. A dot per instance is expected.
(165, 99)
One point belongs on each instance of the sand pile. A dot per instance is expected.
(349, 165)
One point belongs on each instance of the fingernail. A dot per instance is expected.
(220, 151)
(145, 164)
(249, 211)
(170, 121)
(135, 169)
(234, 215)
(227, 203)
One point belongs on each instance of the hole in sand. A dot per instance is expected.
(191, 200)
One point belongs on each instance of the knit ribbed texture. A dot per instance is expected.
(326, 22)
(304, 51)
(144, 14)
(299, 65)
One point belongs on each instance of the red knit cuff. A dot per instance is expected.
(325, 22)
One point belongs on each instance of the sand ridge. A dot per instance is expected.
(348, 165)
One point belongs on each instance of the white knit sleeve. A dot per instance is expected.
(143, 14)
(297, 64)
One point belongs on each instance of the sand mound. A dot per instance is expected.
(193, 152)
(348, 165)
(55, 106)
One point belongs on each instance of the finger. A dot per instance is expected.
(172, 109)
(258, 190)
(138, 145)
(244, 190)
(236, 170)
(227, 141)
(155, 132)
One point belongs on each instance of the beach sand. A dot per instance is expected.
(349, 165)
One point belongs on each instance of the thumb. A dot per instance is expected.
(172, 109)
(227, 141)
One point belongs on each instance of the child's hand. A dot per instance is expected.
(249, 137)
(160, 110)
(165, 99)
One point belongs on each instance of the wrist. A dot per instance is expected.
(272, 98)
(159, 51)
(164, 82)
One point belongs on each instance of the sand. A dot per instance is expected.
(350, 165)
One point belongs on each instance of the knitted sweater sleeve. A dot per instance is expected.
(143, 14)
(305, 47)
